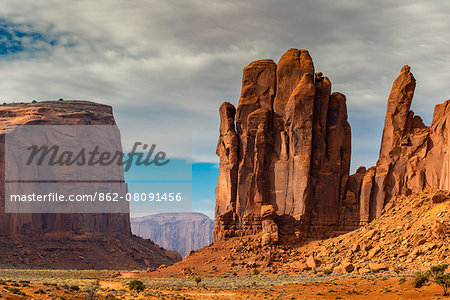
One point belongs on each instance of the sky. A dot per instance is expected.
(166, 66)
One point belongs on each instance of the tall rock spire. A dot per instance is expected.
(398, 106)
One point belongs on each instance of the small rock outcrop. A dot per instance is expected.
(284, 154)
(181, 232)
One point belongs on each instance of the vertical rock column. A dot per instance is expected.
(292, 127)
(298, 124)
(227, 150)
(404, 165)
(254, 127)
(398, 109)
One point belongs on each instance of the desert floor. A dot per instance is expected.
(93, 284)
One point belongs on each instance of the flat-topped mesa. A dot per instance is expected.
(285, 167)
(56, 225)
(83, 240)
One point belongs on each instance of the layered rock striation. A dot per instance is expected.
(69, 240)
(284, 153)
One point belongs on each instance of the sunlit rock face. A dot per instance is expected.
(284, 154)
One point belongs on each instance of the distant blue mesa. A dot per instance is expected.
(23, 38)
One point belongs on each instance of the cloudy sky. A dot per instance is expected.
(174, 62)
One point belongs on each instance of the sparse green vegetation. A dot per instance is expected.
(59, 283)
(39, 291)
(420, 279)
(16, 291)
(136, 285)
(438, 270)
(198, 279)
(439, 276)
(444, 281)
(90, 295)
(74, 288)
(327, 272)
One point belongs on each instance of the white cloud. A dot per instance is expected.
(182, 59)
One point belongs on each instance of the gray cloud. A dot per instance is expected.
(180, 60)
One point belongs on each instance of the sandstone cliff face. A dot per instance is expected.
(84, 240)
(181, 232)
(284, 154)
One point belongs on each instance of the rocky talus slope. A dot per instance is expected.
(181, 232)
(411, 234)
(69, 240)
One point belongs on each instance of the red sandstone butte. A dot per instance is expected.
(284, 161)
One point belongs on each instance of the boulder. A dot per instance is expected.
(363, 271)
(439, 229)
(311, 262)
(374, 251)
(298, 266)
(376, 267)
(344, 268)
(439, 197)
